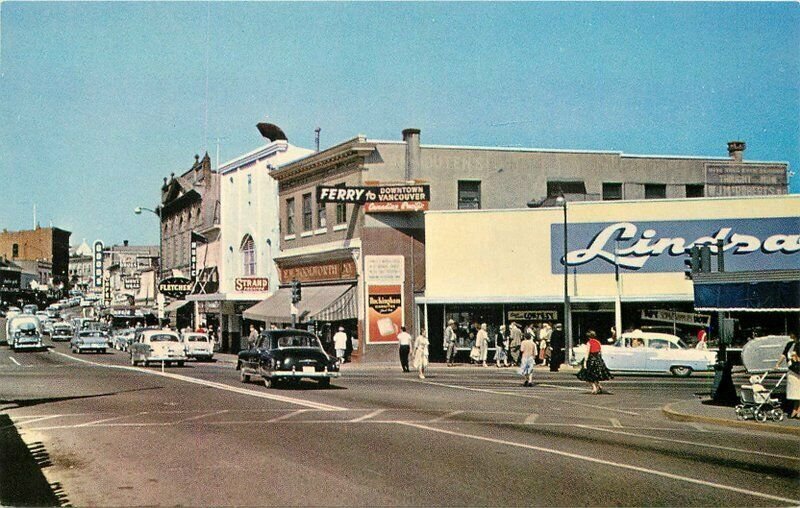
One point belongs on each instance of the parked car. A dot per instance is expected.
(639, 351)
(762, 353)
(287, 354)
(24, 332)
(61, 332)
(89, 340)
(123, 338)
(30, 309)
(157, 346)
(197, 346)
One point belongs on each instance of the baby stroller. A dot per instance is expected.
(758, 403)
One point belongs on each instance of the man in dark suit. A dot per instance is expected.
(557, 345)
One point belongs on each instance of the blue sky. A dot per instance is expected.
(100, 101)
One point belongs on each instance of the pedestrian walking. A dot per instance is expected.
(421, 352)
(482, 341)
(791, 355)
(556, 347)
(404, 338)
(450, 337)
(500, 347)
(340, 343)
(544, 338)
(594, 368)
(253, 337)
(527, 349)
(514, 343)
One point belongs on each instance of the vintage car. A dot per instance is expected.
(25, 332)
(639, 351)
(10, 316)
(61, 332)
(122, 339)
(761, 354)
(287, 354)
(198, 346)
(89, 340)
(152, 346)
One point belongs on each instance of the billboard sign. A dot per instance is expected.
(379, 198)
(175, 287)
(662, 246)
(98, 263)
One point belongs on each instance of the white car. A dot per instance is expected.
(198, 346)
(639, 351)
(24, 332)
(152, 346)
(89, 340)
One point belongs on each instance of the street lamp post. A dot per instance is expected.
(157, 275)
(562, 201)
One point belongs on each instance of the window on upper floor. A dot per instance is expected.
(612, 191)
(322, 216)
(290, 216)
(248, 251)
(695, 190)
(15, 250)
(308, 214)
(249, 184)
(558, 188)
(341, 213)
(655, 191)
(469, 195)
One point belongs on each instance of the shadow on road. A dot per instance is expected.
(6, 404)
(21, 480)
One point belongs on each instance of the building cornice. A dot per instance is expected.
(354, 148)
(254, 156)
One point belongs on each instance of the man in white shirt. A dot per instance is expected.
(404, 338)
(340, 343)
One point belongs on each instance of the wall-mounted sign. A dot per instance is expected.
(176, 287)
(661, 246)
(98, 263)
(681, 318)
(251, 284)
(533, 315)
(384, 312)
(319, 272)
(379, 198)
(106, 291)
(9, 280)
(384, 269)
(132, 282)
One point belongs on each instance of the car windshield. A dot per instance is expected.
(197, 338)
(163, 338)
(297, 341)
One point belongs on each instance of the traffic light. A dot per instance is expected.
(692, 262)
(297, 291)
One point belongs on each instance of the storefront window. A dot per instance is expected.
(470, 317)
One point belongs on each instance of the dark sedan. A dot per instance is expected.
(280, 355)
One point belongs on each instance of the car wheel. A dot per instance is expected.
(244, 378)
(145, 363)
(269, 382)
(681, 371)
(180, 364)
(325, 382)
(133, 362)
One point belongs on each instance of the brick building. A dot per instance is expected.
(40, 244)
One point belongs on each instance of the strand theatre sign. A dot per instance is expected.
(379, 198)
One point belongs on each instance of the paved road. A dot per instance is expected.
(110, 434)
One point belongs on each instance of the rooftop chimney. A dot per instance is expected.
(125, 243)
(413, 153)
(736, 149)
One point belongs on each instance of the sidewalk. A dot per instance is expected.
(700, 411)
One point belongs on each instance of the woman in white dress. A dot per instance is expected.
(791, 354)
(482, 342)
(421, 353)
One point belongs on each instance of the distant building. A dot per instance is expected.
(80, 265)
(38, 271)
(129, 271)
(40, 244)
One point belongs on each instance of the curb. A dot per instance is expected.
(675, 415)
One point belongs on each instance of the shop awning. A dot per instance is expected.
(174, 306)
(321, 303)
(756, 291)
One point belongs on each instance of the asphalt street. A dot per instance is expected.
(105, 433)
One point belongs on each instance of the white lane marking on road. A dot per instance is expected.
(287, 415)
(14, 360)
(206, 415)
(615, 422)
(531, 419)
(104, 420)
(574, 388)
(445, 416)
(697, 426)
(213, 384)
(523, 395)
(604, 462)
(367, 416)
(39, 419)
(693, 443)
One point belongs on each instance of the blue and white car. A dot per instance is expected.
(89, 340)
(639, 351)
